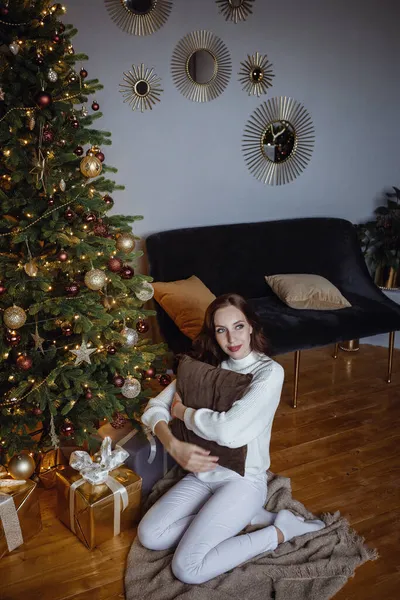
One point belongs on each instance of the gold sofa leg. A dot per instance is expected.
(296, 377)
(336, 350)
(390, 357)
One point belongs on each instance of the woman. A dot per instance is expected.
(203, 513)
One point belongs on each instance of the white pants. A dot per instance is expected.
(203, 519)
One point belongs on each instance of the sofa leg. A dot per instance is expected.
(390, 357)
(336, 350)
(296, 377)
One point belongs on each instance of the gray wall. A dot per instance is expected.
(182, 162)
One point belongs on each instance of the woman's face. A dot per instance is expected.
(232, 332)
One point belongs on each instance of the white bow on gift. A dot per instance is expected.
(97, 473)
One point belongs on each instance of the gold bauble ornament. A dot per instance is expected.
(108, 302)
(31, 123)
(91, 166)
(31, 269)
(125, 242)
(95, 279)
(21, 466)
(14, 317)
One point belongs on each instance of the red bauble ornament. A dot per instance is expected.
(43, 99)
(88, 394)
(115, 264)
(12, 338)
(67, 329)
(24, 362)
(100, 156)
(150, 372)
(69, 214)
(56, 39)
(48, 136)
(142, 326)
(75, 124)
(50, 201)
(62, 256)
(4, 11)
(78, 151)
(95, 106)
(60, 27)
(3, 289)
(118, 381)
(127, 272)
(111, 350)
(118, 421)
(108, 200)
(37, 411)
(164, 379)
(67, 429)
(72, 289)
(90, 218)
(100, 229)
(83, 73)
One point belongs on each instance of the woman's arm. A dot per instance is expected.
(247, 418)
(158, 408)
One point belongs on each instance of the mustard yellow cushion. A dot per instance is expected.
(185, 301)
(307, 291)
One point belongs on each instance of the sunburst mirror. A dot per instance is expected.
(278, 141)
(235, 10)
(256, 74)
(141, 88)
(201, 66)
(139, 17)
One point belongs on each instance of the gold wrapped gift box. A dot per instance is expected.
(26, 501)
(48, 462)
(93, 506)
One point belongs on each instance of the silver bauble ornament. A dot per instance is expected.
(131, 336)
(90, 166)
(52, 75)
(125, 242)
(146, 293)
(131, 388)
(14, 47)
(62, 185)
(14, 317)
(21, 466)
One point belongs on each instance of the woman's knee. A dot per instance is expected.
(149, 536)
(185, 571)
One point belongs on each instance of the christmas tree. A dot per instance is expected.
(71, 304)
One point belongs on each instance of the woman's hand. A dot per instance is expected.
(191, 457)
(177, 407)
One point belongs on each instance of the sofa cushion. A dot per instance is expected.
(185, 301)
(201, 385)
(307, 291)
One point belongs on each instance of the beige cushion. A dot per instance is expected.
(307, 291)
(185, 301)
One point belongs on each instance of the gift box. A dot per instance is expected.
(47, 464)
(147, 456)
(20, 516)
(98, 500)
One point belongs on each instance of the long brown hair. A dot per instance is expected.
(205, 346)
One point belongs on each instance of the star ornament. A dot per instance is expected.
(38, 341)
(83, 354)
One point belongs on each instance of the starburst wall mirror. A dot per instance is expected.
(235, 10)
(278, 141)
(141, 88)
(256, 74)
(139, 17)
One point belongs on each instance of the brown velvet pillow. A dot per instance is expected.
(201, 385)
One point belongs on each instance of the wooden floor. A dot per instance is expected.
(340, 447)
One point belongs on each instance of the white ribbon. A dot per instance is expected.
(153, 447)
(98, 473)
(9, 516)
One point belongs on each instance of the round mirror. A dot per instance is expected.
(142, 88)
(278, 141)
(235, 3)
(138, 7)
(201, 66)
(257, 74)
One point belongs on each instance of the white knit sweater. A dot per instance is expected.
(249, 421)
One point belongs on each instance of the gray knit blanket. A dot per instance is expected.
(311, 567)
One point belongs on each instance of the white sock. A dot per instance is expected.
(291, 526)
